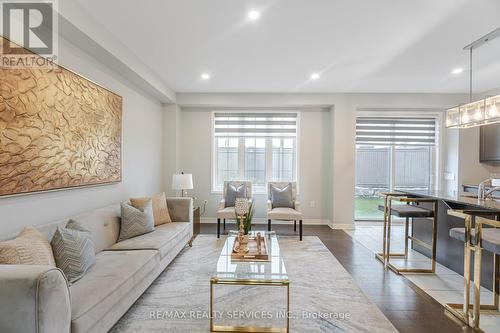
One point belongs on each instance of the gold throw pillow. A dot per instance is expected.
(160, 208)
(30, 247)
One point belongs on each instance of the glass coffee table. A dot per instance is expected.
(250, 273)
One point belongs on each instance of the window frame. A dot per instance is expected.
(437, 158)
(241, 152)
(439, 147)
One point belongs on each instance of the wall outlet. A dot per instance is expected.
(312, 204)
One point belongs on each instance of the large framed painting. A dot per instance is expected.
(58, 130)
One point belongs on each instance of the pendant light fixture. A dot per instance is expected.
(475, 113)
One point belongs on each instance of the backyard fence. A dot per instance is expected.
(412, 167)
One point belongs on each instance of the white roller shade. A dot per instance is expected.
(396, 131)
(227, 124)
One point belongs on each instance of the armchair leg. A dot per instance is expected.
(294, 225)
(300, 229)
(224, 224)
(218, 228)
(269, 225)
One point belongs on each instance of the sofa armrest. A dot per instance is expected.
(34, 299)
(180, 209)
(222, 204)
(296, 205)
(269, 205)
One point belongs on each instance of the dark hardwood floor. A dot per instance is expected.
(403, 303)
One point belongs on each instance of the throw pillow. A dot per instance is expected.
(160, 208)
(74, 250)
(233, 192)
(282, 197)
(136, 221)
(30, 247)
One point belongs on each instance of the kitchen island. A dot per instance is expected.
(450, 252)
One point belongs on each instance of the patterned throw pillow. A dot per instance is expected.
(30, 247)
(74, 250)
(234, 192)
(282, 197)
(136, 221)
(160, 208)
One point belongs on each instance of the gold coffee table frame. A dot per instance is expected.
(237, 272)
(226, 328)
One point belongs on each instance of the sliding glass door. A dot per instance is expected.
(391, 154)
(373, 175)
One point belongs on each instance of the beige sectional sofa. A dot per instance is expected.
(38, 299)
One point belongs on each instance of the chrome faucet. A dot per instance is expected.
(482, 194)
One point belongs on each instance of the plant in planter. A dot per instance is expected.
(244, 214)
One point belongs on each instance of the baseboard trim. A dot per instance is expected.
(264, 221)
(346, 226)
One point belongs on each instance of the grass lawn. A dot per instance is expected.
(367, 208)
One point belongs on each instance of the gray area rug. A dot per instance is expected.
(323, 296)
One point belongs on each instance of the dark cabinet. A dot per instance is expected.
(490, 144)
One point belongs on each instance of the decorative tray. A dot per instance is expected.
(252, 254)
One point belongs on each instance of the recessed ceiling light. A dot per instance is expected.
(253, 15)
(457, 71)
(205, 76)
(314, 76)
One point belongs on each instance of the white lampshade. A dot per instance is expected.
(182, 181)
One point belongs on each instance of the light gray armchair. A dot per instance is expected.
(226, 208)
(286, 207)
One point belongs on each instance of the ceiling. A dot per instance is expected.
(355, 45)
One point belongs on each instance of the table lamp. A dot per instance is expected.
(182, 181)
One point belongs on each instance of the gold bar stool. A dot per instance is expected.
(409, 211)
(476, 239)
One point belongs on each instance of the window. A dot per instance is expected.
(392, 154)
(255, 160)
(258, 146)
(227, 157)
(283, 158)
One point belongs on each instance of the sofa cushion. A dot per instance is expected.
(226, 213)
(282, 197)
(30, 247)
(136, 221)
(73, 249)
(160, 208)
(284, 214)
(234, 192)
(112, 277)
(159, 239)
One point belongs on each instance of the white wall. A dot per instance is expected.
(470, 171)
(314, 162)
(171, 137)
(142, 154)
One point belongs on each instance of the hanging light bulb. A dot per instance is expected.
(478, 115)
(493, 111)
(465, 118)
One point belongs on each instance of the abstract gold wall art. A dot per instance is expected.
(57, 130)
